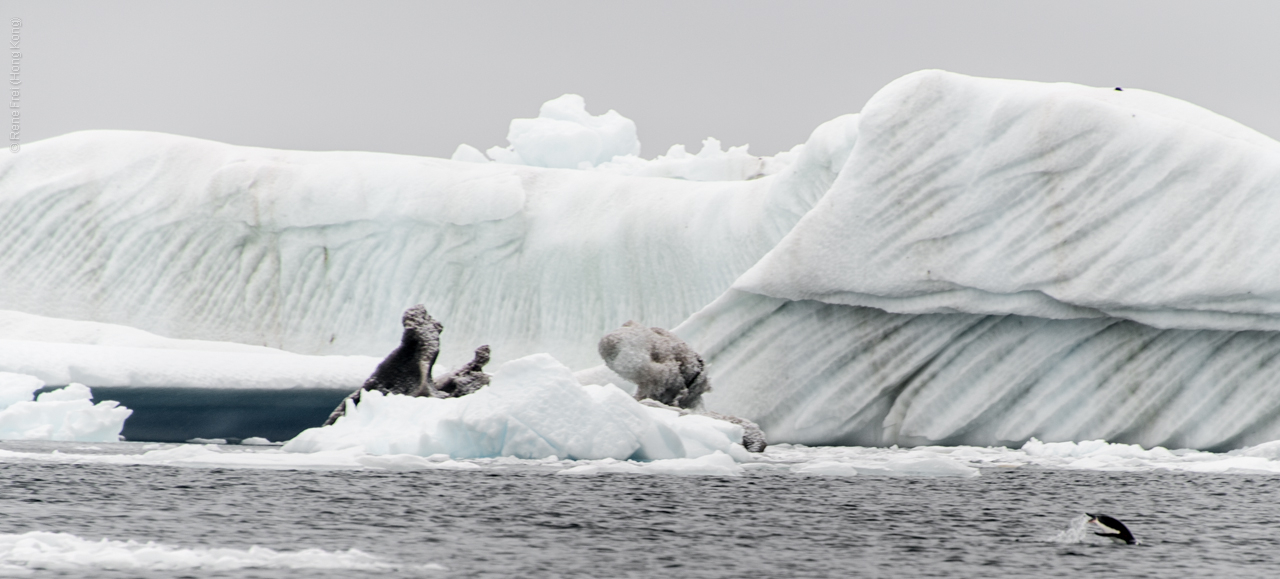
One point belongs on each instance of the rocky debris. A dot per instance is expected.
(464, 380)
(407, 369)
(668, 373)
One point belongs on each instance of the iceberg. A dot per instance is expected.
(66, 414)
(1002, 260)
(965, 261)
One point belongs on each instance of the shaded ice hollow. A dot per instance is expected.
(966, 261)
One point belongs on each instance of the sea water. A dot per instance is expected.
(62, 516)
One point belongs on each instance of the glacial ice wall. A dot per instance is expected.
(315, 252)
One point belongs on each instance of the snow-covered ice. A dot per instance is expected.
(67, 413)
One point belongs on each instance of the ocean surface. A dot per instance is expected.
(524, 520)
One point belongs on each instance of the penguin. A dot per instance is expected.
(1119, 532)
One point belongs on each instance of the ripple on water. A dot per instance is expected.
(766, 522)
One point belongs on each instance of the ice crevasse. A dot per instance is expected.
(966, 261)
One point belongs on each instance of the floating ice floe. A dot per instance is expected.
(533, 408)
(66, 414)
(42, 550)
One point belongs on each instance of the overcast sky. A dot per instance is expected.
(422, 77)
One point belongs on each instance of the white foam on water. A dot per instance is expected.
(799, 460)
(716, 464)
(66, 552)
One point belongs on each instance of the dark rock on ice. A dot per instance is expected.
(464, 380)
(668, 373)
(407, 369)
(662, 365)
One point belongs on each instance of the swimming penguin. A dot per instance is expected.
(1118, 531)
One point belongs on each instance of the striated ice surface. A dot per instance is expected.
(819, 373)
(533, 408)
(1002, 260)
(311, 252)
(67, 553)
(66, 414)
(971, 195)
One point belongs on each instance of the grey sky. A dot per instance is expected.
(422, 77)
